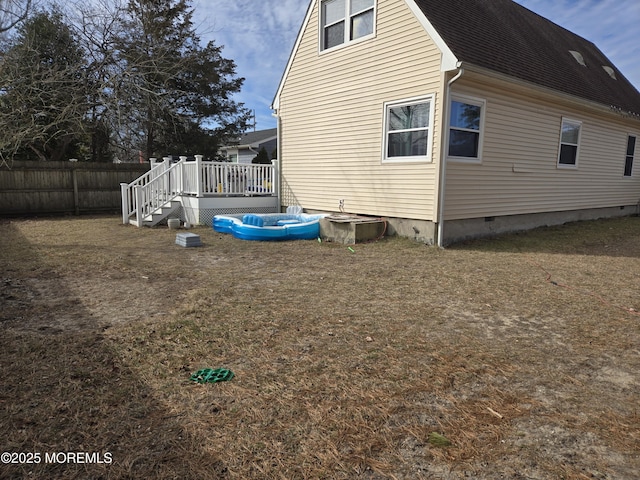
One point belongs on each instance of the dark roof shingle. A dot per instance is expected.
(505, 37)
(259, 136)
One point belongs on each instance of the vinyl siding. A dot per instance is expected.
(332, 111)
(519, 174)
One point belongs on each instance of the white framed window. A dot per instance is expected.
(569, 143)
(408, 130)
(466, 126)
(628, 160)
(345, 21)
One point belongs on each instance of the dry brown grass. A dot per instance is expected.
(523, 351)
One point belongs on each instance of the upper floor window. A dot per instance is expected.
(569, 143)
(465, 128)
(628, 162)
(344, 21)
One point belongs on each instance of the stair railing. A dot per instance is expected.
(166, 181)
(151, 191)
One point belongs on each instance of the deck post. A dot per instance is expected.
(199, 176)
(138, 197)
(124, 196)
(166, 164)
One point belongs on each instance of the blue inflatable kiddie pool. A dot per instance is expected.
(269, 226)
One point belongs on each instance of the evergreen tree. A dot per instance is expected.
(262, 158)
(170, 86)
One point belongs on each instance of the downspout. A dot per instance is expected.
(279, 157)
(444, 153)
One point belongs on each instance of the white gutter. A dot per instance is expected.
(279, 156)
(444, 153)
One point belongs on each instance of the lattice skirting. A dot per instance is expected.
(206, 215)
(200, 211)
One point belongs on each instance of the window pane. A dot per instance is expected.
(334, 35)
(332, 11)
(631, 146)
(362, 25)
(570, 133)
(407, 144)
(409, 116)
(463, 144)
(568, 154)
(360, 5)
(464, 115)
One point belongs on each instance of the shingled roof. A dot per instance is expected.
(254, 138)
(505, 37)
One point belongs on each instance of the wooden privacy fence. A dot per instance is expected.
(64, 187)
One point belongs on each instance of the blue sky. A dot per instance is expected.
(259, 35)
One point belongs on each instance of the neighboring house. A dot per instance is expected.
(454, 119)
(249, 144)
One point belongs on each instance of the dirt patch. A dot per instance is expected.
(522, 351)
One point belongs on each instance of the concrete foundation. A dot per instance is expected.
(424, 231)
(351, 229)
(460, 230)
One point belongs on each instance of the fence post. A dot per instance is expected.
(76, 194)
(124, 194)
(199, 176)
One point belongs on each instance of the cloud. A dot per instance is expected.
(258, 36)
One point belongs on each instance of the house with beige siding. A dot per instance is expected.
(454, 119)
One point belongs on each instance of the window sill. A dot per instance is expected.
(396, 160)
(474, 161)
(347, 44)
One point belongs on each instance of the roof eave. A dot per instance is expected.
(449, 61)
(611, 109)
(251, 145)
(275, 105)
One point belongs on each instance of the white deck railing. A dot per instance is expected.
(166, 181)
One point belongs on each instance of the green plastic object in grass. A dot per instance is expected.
(208, 375)
(438, 440)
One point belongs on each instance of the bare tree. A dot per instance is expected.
(12, 12)
(105, 77)
(97, 26)
(43, 96)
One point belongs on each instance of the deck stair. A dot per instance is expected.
(158, 215)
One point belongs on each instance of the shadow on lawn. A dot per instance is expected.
(619, 237)
(64, 391)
